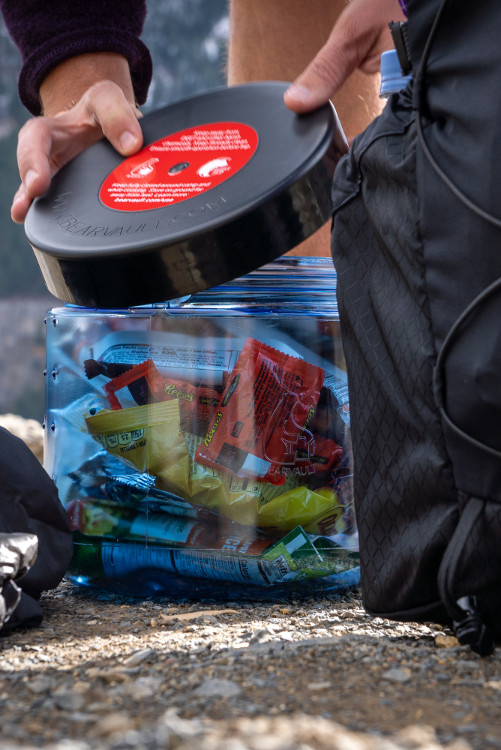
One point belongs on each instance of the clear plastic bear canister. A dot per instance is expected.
(201, 447)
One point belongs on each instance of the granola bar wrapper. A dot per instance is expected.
(317, 511)
(148, 438)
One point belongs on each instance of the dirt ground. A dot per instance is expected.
(104, 671)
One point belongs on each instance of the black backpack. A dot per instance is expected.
(417, 248)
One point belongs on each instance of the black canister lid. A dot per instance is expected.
(226, 182)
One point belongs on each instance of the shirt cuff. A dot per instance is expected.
(37, 66)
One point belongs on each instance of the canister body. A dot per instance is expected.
(202, 447)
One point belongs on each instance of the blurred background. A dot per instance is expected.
(187, 40)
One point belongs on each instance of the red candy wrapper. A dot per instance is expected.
(260, 428)
(147, 385)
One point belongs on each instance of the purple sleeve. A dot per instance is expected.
(403, 5)
(47, 32)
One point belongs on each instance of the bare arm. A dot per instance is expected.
(330, 48)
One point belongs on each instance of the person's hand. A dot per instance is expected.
(358, 39)
(83, 98)
(48, 143)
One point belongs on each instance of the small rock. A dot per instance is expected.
(214, 688)
(40, 685)
(442, 640)
(143, 688)
(180, 728)
(260, 636)
(396, 674)
(70, 701)
(318, 686)
(417, 737)
(28, 430)
(115, 674)
(493, 684)
(138, 657)
(114, 723)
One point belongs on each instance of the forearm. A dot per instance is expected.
(277, 39)
(66, 83)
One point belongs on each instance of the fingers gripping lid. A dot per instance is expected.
(226, 182)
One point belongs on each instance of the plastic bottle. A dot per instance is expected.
(392, 79)
(115, 522)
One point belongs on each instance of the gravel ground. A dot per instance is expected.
(109, 672)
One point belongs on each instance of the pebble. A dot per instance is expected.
(397, 675)
(112, 724)
(138, 657)
(442, 640)
(261, 636)
(40, 685)
(213, 688)
(70, 701)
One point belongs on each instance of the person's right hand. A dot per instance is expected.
(46, 144)
(358, 39)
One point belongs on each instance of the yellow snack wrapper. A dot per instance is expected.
(317, 511)
(239, 498)
(150, 439)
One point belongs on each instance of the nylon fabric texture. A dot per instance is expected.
(410, 258)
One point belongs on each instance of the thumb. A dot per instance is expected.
(107, 105)
(350, 45)
(320, 80)
(328, 70)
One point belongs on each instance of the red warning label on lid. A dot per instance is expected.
(179, 166)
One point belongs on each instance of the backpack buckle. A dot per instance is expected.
(399, 35)
(471, 630)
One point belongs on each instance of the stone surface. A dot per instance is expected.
(29, 430)
(106, 672)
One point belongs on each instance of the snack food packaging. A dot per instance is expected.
(201, 447)
(261, 422)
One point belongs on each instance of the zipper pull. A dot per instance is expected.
(470, 629)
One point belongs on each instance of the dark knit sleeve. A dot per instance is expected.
(47, 32)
